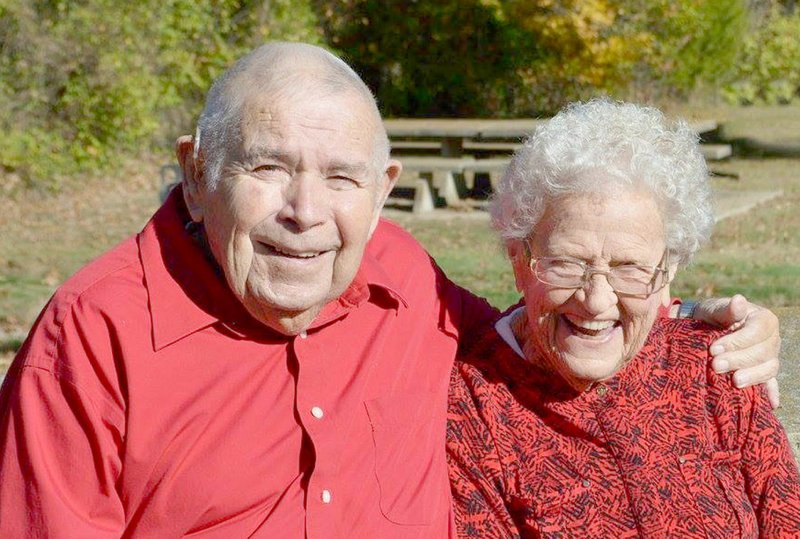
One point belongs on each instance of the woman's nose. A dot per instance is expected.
(596, 294)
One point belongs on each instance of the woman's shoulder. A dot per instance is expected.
(688, 335)
(687, 362)
(684, 344)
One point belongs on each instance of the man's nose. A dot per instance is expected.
(305, 201)
(596, 294)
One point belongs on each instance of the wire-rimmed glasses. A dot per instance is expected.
(627, 279)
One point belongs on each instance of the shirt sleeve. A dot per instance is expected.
(60, 445)
(471, 314)
(770, 471)
(475, 468)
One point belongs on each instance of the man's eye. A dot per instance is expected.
(270, 171)
(342, 182)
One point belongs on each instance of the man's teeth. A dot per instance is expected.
(306, 254)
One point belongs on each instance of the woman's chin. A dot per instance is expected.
(589, 356)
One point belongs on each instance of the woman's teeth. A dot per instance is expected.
(590, 327)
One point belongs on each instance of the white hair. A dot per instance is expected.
(280, 70)
(598, 145)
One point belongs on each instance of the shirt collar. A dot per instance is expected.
(186, 293)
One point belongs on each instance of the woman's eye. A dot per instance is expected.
(267, 168)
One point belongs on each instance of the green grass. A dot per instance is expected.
(470, 255)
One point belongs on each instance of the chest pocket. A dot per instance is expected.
(409, 435)
(715, 481)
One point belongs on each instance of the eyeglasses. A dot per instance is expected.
(627, 279)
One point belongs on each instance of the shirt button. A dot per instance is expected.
(682, 459)
(326, 496)
(602, 390)
(303, 334)
(586, 483)
(317, 412)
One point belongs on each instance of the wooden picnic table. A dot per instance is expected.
(453, 132)
(466, 147)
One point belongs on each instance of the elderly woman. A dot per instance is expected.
(583, 413)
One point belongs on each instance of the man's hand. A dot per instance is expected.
(753, 346)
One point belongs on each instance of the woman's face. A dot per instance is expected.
(587, 334)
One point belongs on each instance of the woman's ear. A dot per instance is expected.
(666, 296)
(519, 257)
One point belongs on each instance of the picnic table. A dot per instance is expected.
(441, 156)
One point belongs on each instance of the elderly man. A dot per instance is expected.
(252, 364)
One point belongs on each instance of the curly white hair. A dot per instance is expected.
(593, 146)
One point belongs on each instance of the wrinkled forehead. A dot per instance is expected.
(342, 119)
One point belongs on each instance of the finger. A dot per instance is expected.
(736, 312)
(728, 313)
(760, 333)
(756, 375)
(773, 393)
(734, 358)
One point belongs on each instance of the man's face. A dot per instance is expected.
(296, 202)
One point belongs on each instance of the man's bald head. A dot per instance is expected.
(278, 71)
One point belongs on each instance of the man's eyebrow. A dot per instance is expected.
(266, 152)
(354, 169)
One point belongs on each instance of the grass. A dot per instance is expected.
(45, 237)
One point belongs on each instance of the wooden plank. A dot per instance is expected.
(424, 163)
(493, 164)
(716, 152)
(416, 145)
(484, 128)
(459, 127)
(494, 167)
(491, 146)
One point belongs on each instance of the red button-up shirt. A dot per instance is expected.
(147, 403)
(664, 449)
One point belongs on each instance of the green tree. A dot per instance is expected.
(768, 67)
(84, 80)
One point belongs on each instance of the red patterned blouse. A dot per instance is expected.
(666, 448)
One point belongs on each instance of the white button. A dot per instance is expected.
(326, 496)
(303, 334)
(317, 412)
(587, 483)
(682, 459)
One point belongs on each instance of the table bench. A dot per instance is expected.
(446, 177)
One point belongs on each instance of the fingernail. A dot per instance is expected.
(716, 349)
(738, 380)
(721, 365)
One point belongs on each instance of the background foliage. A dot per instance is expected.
(83, 82)
(769, 62)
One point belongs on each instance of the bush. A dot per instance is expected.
(530, 57)
(769, 64)
(85, 80)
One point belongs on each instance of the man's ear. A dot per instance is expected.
(389, 178)
(193, 176)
